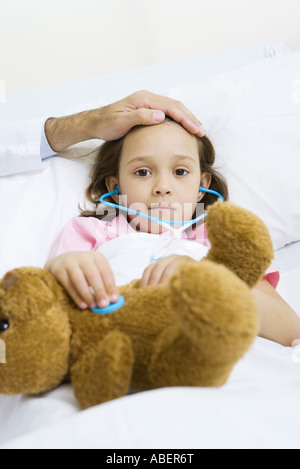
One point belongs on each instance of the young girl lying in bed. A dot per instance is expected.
(158, 170)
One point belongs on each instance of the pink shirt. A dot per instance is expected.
(88, 234)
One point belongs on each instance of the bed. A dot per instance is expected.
(248, 100)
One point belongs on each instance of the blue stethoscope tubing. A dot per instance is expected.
(185, 224)
(149, 217)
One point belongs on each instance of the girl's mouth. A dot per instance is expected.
(162, 207)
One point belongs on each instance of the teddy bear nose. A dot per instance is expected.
(4, 325)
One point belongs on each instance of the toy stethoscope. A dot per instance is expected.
(169, 246)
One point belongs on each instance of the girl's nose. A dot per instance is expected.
(162, 189)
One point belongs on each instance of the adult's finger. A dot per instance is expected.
(140, 116)
(171, 107)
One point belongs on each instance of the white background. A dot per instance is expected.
(45, 42)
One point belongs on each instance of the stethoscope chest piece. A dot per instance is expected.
(111, 308)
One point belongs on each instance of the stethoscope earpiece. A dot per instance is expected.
(210, 191)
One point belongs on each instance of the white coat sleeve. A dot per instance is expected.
(21, 145)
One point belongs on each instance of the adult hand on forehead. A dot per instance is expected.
(115, 120)
(142, 108)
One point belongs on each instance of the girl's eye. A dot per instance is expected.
(142, 172)
(180, 172)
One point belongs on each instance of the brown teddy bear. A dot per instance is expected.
(188, 332)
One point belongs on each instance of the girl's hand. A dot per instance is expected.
(161, 271)
(78, 272)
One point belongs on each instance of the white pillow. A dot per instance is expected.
(252, 116)
(35, 208)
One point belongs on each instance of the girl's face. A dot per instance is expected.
(159, 175)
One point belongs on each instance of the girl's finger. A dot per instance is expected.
(94, 280)
(63, 278)
(146, 276)
(108, 282)
(80, 285)
(168, 272)
(156, 273)
(75, 297)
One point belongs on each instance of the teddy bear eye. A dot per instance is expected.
(4, 325)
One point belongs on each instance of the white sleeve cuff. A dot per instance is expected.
(45, 150)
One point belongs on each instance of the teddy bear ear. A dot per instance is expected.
(9, 280)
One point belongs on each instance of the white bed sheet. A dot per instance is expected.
(259, 407)
(288, 258)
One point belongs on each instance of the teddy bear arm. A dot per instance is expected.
(239, 240)
(104, 372)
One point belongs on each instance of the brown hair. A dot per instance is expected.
(107, 164)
